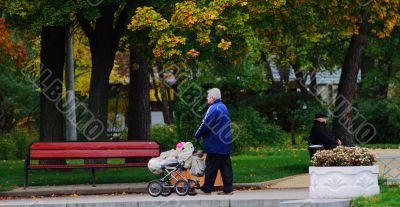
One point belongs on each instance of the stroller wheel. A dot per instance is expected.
(167, 189)
(182, 187)
(192, 186)
(155, 188)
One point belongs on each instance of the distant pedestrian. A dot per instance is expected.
(321, 135)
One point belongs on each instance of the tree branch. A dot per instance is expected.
(85, 25)
(120, 26)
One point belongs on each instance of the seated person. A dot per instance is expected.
(320, 135)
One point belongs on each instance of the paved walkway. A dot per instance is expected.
(247, 198)
(273, 192)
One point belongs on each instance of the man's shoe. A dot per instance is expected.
(224, 193)
(201, 192)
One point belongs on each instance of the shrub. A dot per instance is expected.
(343, 156)
(241, 138)
(166, 135)
(190, 106)
(384, 115)
(14, 144)
(7, 148)
(304, 115)
(257, 126)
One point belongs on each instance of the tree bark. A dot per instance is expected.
(342, 122)
(71, 133)
(103, 39)
(52, 57)
(139, 98)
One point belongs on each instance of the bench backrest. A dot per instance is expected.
(76, 150)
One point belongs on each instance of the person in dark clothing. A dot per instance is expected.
(216, 132)
(320, 135)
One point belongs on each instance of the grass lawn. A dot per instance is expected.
(249, 166)
(381, 146)
(389, 197)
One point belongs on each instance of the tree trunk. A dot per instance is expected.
(69, 85)
(342, 122)
(103, 39)
(139, 98)
(139, 119)
(284, 73)
(52, 57)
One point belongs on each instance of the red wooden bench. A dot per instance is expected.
(85, 150)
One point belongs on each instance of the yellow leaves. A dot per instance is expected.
(389, 25)
(222, 27)
(147, 17)
(173, 52)
(203, 37)
(208, 17)
(157, 51)
(381, 35)
(166, 45)
(193, 53)
(187, 16)
(381, 14)
(171, 41)
(184, 15)
(213, 15)
(82, 82)
(224, 45)
(116, 77)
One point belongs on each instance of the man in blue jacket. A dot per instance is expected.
(216, 132)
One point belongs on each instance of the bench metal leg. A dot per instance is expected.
(26, 174)
(26, 179)
(94, 177)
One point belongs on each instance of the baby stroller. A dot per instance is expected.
(173, 169)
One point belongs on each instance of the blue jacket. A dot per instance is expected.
(216, 130)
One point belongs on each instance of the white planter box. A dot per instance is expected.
(343, 182)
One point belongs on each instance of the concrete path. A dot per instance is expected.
(248, 198)
(285, 192)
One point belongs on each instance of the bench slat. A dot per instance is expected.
(96, 145)
(88, 165)
(42, 154)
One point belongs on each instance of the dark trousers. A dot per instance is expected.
(215, 162)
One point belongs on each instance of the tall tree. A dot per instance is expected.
(342, 122)
(104, 40)
(359, 20)
(52, 58)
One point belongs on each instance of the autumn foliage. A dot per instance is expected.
(9, 49)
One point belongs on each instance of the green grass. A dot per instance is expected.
(249, 166)
(389, 197)
(381, 146)
(269, 164)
